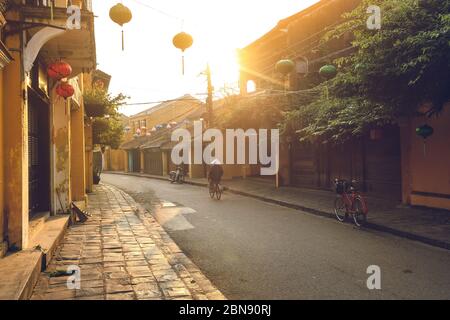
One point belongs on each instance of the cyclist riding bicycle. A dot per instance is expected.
(179, 171)
(215, 173)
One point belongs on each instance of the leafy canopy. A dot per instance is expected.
(107, 128)
(393, 71)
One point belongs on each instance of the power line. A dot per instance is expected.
(159, 10)
(157, 102)
(270, 93)
(182, 20)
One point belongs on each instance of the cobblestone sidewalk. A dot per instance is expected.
(123, 254)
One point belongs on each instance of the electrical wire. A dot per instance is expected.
(158, 10)
(157, 102)
(162, 12)
(271, 93)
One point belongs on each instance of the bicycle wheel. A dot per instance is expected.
(359, 216)
(218, 192)
(340, 210)
(212, 192)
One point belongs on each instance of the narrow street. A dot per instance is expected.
(250, 249)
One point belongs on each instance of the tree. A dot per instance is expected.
(107, 132)
(393, 71)
(107, 128)
(99, 103)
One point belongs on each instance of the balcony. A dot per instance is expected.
(83, 4)
(77, 46)
(43, 10)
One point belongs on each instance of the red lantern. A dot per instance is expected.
(65, 90)
(59, 70)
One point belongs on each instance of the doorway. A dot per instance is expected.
(38, 153)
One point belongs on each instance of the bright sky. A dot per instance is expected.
(150, 67)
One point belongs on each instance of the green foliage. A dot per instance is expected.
(107, 132)
(99, 103)
(253, 112)
(107, 128)
(394, 70)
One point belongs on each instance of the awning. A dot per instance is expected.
(136, 143)
(158, 139)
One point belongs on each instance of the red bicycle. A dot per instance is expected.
(350, 203)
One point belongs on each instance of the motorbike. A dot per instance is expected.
(177, 176)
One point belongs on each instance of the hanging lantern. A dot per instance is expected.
(65, 90)
(285, 66)
(425, 132)
(183, 41)
(120, 15)
(328, 71)
(59, 70)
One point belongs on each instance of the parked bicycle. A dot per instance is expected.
(215, 191)
(177, 176)
(350, 203)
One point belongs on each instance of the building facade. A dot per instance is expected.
(389, 162)
(148, 131)
(43, 137)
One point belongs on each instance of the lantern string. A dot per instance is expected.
(158, 10)
(182, 63)
(123, 41)
(182, 20)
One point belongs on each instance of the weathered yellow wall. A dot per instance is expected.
(61, 154)
(175, 112)
(15, 150)
(88, 157)
(89, 148)
(430, 172)
(78, 182)
(116, 160)
(61, 3)
(142, 161)
(125, 158)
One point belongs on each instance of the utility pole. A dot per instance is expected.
(209, 100)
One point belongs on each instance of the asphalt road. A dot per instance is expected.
(255, 250)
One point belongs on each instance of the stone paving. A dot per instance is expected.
(122, 254)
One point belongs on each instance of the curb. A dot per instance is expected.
(369, 225)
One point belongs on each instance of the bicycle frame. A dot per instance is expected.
(349, 201)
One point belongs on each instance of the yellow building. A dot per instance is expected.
(143, 125)
(44, 140)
